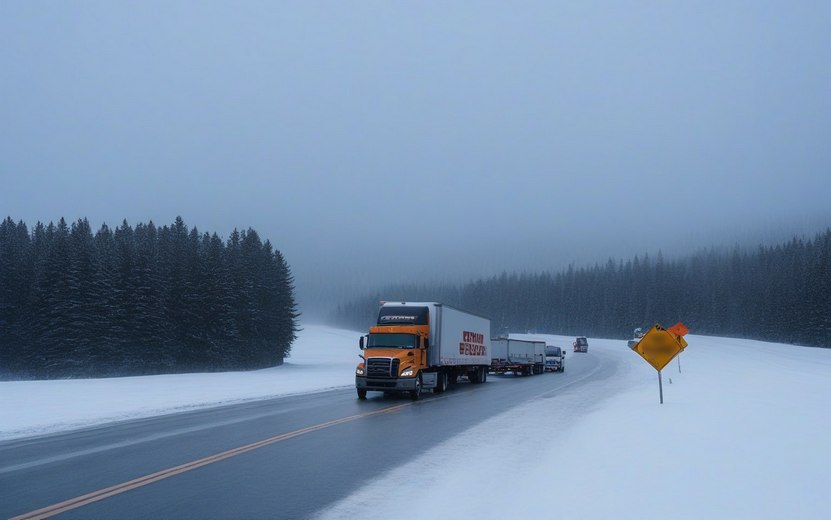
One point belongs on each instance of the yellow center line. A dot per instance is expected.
(101, 494)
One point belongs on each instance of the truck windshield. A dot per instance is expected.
(552, 351)
(392, 341)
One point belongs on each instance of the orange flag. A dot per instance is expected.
(679, 329)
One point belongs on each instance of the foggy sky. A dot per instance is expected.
(377, 142)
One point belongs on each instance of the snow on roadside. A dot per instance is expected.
(322, 358)
(742, 434)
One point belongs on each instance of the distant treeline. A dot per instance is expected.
(143, 300)
(780, 293)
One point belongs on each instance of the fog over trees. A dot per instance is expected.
(775, 293)
(145, 299)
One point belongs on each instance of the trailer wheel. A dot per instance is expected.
(484, 375)
(361, 393)
(415, 395)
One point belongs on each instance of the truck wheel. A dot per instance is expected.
(361, 393)
(415, 395)
(479, 375)
(441, 383)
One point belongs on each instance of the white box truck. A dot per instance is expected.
(555, 359)
(522, 357)
(419, 346)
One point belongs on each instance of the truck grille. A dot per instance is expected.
(382, 367)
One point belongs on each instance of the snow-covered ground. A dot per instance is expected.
(742, 433)
(323, 358)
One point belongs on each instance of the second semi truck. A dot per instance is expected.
(418, 346)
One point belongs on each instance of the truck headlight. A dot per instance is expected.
(359, 371)
(407, 373)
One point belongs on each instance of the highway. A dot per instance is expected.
(281, 458)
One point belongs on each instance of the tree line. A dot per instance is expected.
(140, 300)
(778, 293)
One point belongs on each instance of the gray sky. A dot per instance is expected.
(376, 142)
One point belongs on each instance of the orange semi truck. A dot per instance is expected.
(418, 346)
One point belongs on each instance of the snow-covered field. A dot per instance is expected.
(323, 358)
(743, 433)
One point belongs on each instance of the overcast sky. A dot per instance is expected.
(390, 141)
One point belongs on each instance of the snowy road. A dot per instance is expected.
(294, 455)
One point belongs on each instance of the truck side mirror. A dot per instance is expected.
(361, 343)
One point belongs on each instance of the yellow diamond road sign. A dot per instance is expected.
(659, 346)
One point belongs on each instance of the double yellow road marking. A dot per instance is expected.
(101, 494)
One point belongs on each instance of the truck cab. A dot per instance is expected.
(395, 352)
(555, 358)
(581, 344)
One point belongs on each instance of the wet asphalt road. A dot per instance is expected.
(279, 458)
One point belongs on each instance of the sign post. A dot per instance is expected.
(679, 329)
(660, 387)
(659, 345)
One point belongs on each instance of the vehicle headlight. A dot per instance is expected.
(359, 371)
(407, 373)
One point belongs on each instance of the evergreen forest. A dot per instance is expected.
(778, 293)
(140, 300)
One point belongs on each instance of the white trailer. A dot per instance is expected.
(522, 357)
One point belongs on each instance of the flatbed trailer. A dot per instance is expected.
(520, 357)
